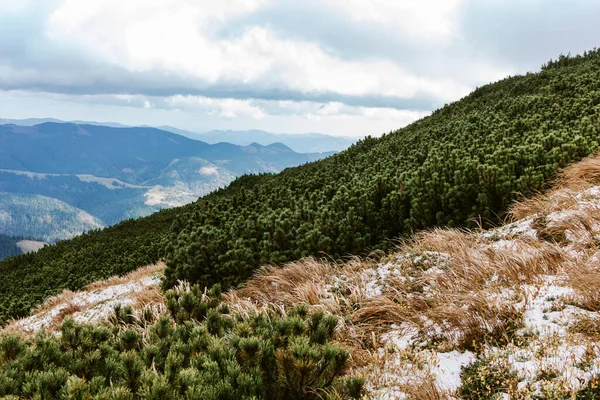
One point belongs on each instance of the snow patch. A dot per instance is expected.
(93, 306)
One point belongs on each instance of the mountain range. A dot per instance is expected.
(60, 179)
(301, 143)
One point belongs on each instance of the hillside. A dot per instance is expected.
(461, 166)
(510, 312)
(117, 173)
(43, 217)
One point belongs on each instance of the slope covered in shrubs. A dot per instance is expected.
(467, 160)
(510, 312)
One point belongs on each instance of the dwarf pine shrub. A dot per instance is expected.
(199, 350)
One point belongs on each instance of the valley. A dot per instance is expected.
(58, 180)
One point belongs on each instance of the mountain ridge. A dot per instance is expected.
(300, 142)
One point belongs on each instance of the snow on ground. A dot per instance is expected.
(550, 355)
(91, 305)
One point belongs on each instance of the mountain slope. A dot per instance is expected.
(510, 312)
(43, 217)
(466, 161)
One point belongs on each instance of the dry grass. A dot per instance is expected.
(149, 296)
(135, 275)
(588, 326)
(583, 173)
(572, 180)
(425, 389)
(65, 312)
(63, 298)
(585, 281)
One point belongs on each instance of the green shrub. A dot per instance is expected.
(484, 379)
(217, 356)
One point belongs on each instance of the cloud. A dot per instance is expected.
(171, 47)
(526, 34)
(210, 170)
(271, 62)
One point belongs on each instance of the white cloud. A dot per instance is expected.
(238, 64)
(176, 38)
(211, 170)
(422, 19)
(227, 108)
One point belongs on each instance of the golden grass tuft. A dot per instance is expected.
(65, 297)
(588, 326)
(425, 389)
(585, 172)
(573, 180)
(64, 312)
(585, 281)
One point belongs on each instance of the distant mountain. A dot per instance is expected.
(28, 121)
(43, 217)
(303, 143)
(37, 121)
(113, 173)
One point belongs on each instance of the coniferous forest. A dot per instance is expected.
(8, 246)
(461, 166)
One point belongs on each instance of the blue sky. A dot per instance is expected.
(345, 67)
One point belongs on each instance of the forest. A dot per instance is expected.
(461, 166)
(8, 246)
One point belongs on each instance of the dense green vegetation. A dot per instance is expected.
(467, 160)
(8, 246)
(200, 351)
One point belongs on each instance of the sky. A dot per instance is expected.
(343, 67)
